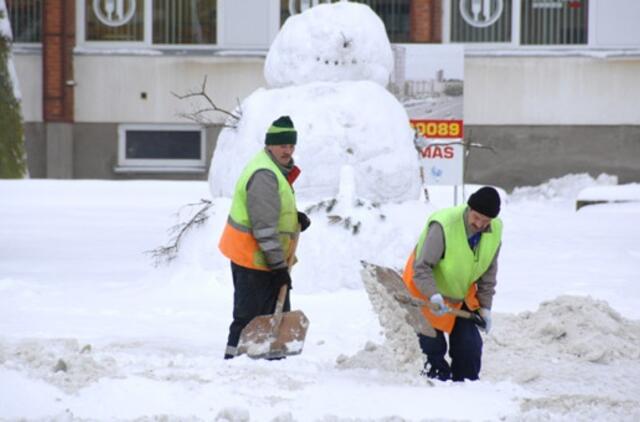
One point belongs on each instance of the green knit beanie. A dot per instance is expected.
(281, 132)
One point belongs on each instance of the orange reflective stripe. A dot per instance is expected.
(240, 247)
(407, 276)
(447, 321)
(472, 299)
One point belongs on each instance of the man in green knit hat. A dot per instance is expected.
(262, 223)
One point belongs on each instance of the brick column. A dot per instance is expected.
(58, 40)
(58, 29)
(425, 17)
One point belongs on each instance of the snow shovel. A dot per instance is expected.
(279, 334)
(394, 286)
(382, 285)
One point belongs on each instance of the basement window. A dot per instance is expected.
(166, 148)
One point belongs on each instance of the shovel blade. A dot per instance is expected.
(259, 341)
(389, 283)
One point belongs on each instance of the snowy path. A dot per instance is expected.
(144, 343)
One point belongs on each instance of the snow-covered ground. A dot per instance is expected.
(91, 330)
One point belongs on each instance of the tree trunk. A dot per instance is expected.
(12, 153)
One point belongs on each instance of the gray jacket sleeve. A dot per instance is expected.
(487, 283)
(263, 204)
(431, 254)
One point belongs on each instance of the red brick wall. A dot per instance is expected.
(426, 21)
(57, 59)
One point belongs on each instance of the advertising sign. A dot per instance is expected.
(428, 80)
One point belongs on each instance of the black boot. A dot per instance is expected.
(441, 371)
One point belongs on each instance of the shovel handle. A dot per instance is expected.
(408, 300)
(282, 294)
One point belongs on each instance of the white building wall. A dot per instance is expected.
(615, 23)
(111, 88)
(498, 90)
(548, 90)
(29, 71)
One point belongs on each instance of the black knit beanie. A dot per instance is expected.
(486, 201)
(281, 132)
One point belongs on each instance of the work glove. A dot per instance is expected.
(441, 308)
(303, 220)
(486, 317)
(281, 277)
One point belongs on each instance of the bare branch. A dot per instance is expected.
(167, 253)
(197, 116)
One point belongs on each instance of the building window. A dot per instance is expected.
(111, 20)
(26, 20)
(169, 22)
(553, 22)
(395, 15)
(481, 21)
(161, 148)
(184, 22)
(539, 22)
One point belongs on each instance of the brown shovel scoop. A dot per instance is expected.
(276, 335)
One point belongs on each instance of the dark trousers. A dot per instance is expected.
(465, 351)
(255, 293)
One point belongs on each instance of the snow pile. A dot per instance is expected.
(61, 362)
(572, 407)
(568, 351)
(347, 123)
(5, 33)
(324, 44)
(400, 352)
(578, 328)
(622, 193)
(344, 117)
(566, 187)
(5, 25)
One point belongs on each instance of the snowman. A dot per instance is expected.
(327, 69)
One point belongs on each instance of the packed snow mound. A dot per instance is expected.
(5, 25)
(324, 44)
(581, 327)
(571, 328)
(562, 188)
(358, 124)
(61, 362)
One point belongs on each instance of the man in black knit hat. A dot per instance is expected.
(454, 265)
(262, 223)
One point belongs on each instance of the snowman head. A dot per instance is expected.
(330, 42)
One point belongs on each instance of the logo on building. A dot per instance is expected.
(114, 12)
(481, 13)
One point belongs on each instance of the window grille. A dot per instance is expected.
(464, 32)
(96, 30)
(553, 22)
(26, 20)
(175, 22)
(184, 22)
(394, 15)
